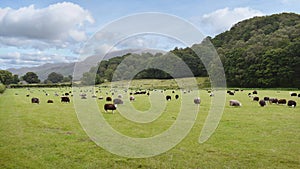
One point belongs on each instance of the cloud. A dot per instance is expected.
(57, 25)
(223, 19)
(18, 60)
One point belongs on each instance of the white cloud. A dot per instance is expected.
(223, 19)
(18, 60)
(57, 25)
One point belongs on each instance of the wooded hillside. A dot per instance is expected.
(258, 52)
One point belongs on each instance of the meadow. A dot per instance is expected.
(50, 135)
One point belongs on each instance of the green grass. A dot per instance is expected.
(50, 136)
(202, 82)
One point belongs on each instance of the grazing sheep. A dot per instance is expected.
(117, 101)
(100, 98)
(254, 92)
(266, 98)
(292, 103)
(82, 95)
(273, 100)
(50, 101)
(256, 98)
(197, 100)
(176, 96)
(168, 98)
(231, 93)
(293, 94)
(131, 98)
(111, 107)
(235, 103)
(108, 99)
(35, 100)
(65, 99)
(281, 101)
(262, 103)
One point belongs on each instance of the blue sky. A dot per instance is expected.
(33, 33)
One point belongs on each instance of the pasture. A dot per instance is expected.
(49, 135)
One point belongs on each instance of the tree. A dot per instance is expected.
(88, 78)
(31, 77)
(55, 77)
(6, 77)
(67, 79)
(15, 79)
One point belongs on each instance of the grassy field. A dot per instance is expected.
(50, 136)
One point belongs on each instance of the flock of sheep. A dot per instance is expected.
(111, 104)
(263, 102)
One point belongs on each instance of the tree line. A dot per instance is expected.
(7, 78)
(258, 52)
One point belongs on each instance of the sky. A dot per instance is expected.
(33, 33)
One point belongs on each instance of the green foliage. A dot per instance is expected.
(55, 77)
(67, 79)
(7, 77)
(2, 88)
(262, 51)
(31, 77)
(258, 52)
(89, 78)
(124, 67)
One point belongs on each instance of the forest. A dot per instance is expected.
(258, 52)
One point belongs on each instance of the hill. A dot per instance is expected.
(258, 52)
(262, 51)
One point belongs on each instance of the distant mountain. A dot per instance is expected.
(68, 68)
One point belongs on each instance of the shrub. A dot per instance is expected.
(2, 88)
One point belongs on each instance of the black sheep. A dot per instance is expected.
(262, 103)
(281, 101)
(108, 99)
(292, 103)
(65, 99)
(35, 100)
(111, 107)
(256, 98)
(168, 98)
